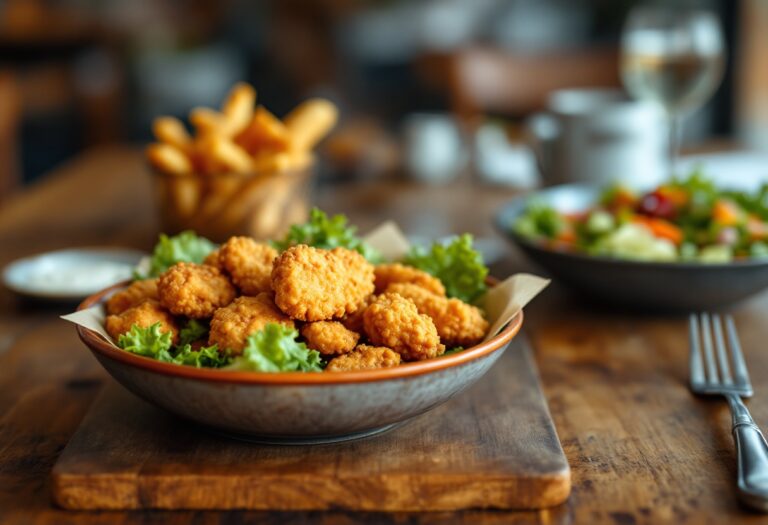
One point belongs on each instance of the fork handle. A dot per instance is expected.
(752, 453)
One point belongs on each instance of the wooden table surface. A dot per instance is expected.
(642, 449)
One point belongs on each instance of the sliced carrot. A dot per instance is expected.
(567, 235)
(660, 228)
(678, 196)
(727, 213)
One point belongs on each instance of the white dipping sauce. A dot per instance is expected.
(70, 273)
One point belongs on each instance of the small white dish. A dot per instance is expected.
(70, 275)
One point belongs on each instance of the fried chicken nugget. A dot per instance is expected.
(194, 290)
(364, 357)
(387, 274)
(231, 325)
(214, 259)
(329, 337)
(311, 284)
(134, 295)
(457, 323)
(144, 315)
(395, 322)
(354, 321)
(249, 263)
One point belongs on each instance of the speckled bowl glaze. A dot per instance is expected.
(297, 407)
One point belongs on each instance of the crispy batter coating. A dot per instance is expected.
(393, 321)
(387, 274)
(249, 263)
(311, 284)
(214, 259)
(194, 290)
(364, 357)
(329, 337)
(231, 325)
(354, 321)
(144, 315)
(134, 295)
(457, 323)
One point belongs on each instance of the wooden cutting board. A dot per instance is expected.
(492, 446)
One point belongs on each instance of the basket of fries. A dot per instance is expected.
(243, 171)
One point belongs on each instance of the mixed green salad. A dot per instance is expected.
(276, 347)
(686, 219)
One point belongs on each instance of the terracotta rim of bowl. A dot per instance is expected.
(99, 346)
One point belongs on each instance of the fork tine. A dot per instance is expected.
(722, 351)
(695, 364)
(709, 354)
(739, 366)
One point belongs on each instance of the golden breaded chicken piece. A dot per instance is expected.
(194, 290)
(354, 321)
(387, 274)
(144, 315)
(231, 325)
(329, 337)
(364, 357)
(457, 323)
(311, 284)
(249, 263)
(395, 322)
(136, 293)
(214, 259)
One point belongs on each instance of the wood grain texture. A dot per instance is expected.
(492, 446)
(642, 449)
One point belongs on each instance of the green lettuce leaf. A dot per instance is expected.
(148, 342)
(184, 247)
(206, 356)
(457, 264)
(193, 331)
(275, 349)
(327, 233)
(151, 342)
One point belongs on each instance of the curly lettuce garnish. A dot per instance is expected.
(193, 331)
(327, 233)
(147, 342)
(153, 343)
(184, 247)
(457, 264)
(274, 348)
(203, 357)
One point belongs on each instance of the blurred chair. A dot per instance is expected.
(482, 80)
(10, 112)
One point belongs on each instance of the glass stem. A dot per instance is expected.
(675, 136)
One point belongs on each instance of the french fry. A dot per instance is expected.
(267, 162)
(219, 190)
(171, 131)
(208, 122)
(238, 107)
(264, 133)
(169, 159)
(231, 156)
(184, 196)
(310, 121)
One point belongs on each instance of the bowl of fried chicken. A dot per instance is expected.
(309, 340)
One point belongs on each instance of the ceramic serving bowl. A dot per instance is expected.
(297, 407)
(656, 286)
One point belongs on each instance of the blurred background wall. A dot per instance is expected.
(77, 73)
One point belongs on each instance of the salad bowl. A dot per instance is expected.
(297, 407)
(659, 286)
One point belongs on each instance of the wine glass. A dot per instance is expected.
(673, 57)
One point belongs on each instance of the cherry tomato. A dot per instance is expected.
(657, 204)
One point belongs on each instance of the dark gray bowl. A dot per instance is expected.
(677, 286)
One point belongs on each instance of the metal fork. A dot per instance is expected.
(706, 334)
